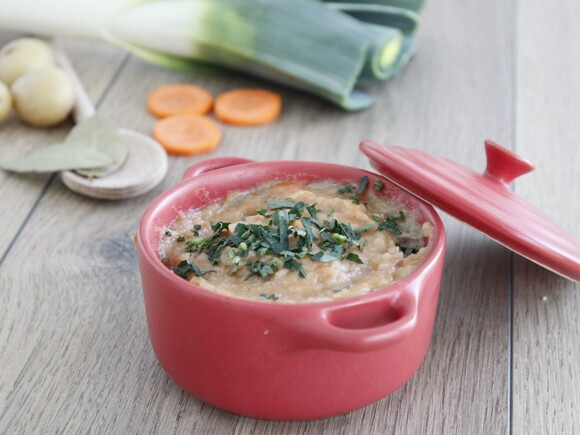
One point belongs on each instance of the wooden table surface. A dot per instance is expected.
(74, 351)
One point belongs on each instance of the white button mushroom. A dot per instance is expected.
(43, 97)
(22, 55)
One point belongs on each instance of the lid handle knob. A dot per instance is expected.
(504, 165)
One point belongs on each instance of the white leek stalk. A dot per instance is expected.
(77, 18)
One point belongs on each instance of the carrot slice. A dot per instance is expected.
(187, 134)
(173, 100)
(248, 107)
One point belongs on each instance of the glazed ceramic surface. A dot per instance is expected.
(283, 361)
(483, 201)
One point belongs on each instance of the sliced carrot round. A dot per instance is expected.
(248, 107)
(173, 100)
(187, 134)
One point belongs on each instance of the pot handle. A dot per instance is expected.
(503, 164)
(366, 327)
(213, 164)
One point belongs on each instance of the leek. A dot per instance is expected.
(322, 48)
(385, 47)
(405, 20)
(387, 58)
(382, 19)
(295, 42)
(411, 5)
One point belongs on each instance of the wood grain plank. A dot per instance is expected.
(96, 64)
(74, 342)
(546, 348)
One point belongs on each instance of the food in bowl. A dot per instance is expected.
(285, 361)
(295, 242)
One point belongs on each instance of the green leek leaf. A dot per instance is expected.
(412, 5)
(384, 53)
(402, 19)
(375, 69)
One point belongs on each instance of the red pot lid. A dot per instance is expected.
(483, 201)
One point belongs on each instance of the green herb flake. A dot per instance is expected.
(351, 256)
(168, 233)
(407, 250)
(362, 185)
(379, 184)
(269, 296)
(312, 210)
(180, 239)
(355, 194)
(186, 267)
(292, 234)
(328, 257)
(347, 188)
(339, 289)
(285, 203)
(390, 223)
(339, 238)
(261, 268)
(364, 228)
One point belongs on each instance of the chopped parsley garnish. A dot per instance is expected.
(262, 268)
(379, 184)
(407, 250)
(293, 232)
(270, 296)
(390, 223)
(285, 203)
(351, 256)
(348, 188)
(362, 185)
(186, 267)
(168, 233)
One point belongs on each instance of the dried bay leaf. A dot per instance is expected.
(58, 157)
(93, 148)
(99, 133)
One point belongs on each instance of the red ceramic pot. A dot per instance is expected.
(283, 361)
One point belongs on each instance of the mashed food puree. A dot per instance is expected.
(294, 242)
